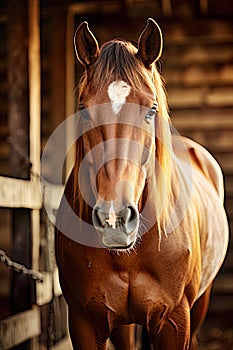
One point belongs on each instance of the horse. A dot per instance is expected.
(141, 230)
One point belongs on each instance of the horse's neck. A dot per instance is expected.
(169, 204)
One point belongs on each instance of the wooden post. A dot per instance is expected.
(34, 69)
(18, 129)
(34, 113)
(70, 88)
(57, 57)
(34, 86)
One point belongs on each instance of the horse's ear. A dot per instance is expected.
(86, 45)
(150, 43)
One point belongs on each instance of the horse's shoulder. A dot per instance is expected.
(201, 160)
(212, 217)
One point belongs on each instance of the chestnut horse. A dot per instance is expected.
(141, 229)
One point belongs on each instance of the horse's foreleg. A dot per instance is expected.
(82, 332)
(123, 337)
(173, 331)
(198, 314)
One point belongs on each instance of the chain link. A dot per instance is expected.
(35, 275)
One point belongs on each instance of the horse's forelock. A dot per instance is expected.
(117, 61)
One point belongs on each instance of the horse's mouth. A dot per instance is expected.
(116, 239)
(119, 248)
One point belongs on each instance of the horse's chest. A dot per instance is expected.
(103, 294)
(110, 289)
(121, 296)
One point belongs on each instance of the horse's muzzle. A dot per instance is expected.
(116, 229)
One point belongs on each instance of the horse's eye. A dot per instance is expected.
(84, 112)
(151, 113)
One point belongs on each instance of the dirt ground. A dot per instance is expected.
(217, 332)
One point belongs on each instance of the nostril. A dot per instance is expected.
(134, 213)
(130, 214)
(131, 219)
(99, 218)
(126, 215)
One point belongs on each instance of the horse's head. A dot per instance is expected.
(118, 101)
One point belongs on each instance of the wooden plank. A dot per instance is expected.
(49, 288)
(64, 344)
(198, 55)
(197, 41)
(44, 290)
(229, 185)
(219, 97)
(195, 75)
(57, 320)
(226, 163)
(219, 143)
(223, 284)
(19, 328)
(229, 206)
(200, 97)
(231, 230)
(57, 287)
(220, 304)
(182, 98)
(204, 119)
(93, 7)
(167, 7)
(16, 193)
(64, 314)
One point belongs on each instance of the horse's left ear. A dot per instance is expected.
(150, 43)
(86, 45)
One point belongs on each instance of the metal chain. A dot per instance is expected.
(35, 275)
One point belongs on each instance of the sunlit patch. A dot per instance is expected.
(118, 92)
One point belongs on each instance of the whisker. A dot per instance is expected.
(140, 231)
(142, 226)
(145, 218)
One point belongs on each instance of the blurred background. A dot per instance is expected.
(38, 77)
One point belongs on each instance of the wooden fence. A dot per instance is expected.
(16, 193)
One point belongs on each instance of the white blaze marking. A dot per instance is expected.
(111, 217)
(117, 92)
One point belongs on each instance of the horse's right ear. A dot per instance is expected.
(86, 45)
